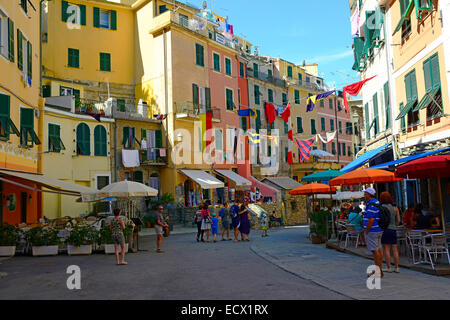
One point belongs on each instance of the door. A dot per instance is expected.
(187, 188)
(411, 192)
(23, 207)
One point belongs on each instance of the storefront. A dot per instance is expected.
(236, 186)
(198, 187)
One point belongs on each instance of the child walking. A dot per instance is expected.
(214, 226)
(264, 225)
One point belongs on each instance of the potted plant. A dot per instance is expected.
(80, 240)
(318, 227)
(9, 237)
(44, 241)
(106, 239)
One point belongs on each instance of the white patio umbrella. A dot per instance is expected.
(126, 189)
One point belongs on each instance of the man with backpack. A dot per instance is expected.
(373, 229)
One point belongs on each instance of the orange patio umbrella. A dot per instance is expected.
(364, 176)
(312, 189)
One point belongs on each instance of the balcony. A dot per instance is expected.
(305, 85)
(154, 158)
(187, 109)
(270, 78)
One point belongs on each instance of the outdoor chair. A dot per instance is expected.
(414, 242)
(341, 232)
(437, 247)
(352, 234)
(402, 240)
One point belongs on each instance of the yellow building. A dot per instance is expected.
(20, 108)
(421, 79)
(77, 150)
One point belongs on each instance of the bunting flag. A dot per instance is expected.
(160, 117)
(253, 138)
(206, 119)
(304, 148)
(311, 103)
(246, 113)
(330, 137)
(270, 113)
(353, 90)
(96, 116)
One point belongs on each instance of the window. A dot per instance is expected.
(343, 150)
(27, 135)
(286, 156)
(24, 55)
(289, 72)
(105, 19)
(331, 124)
(308, 80)
(255, 70)
(184, 20)
(244, 124)
(333, 148)
(74, 58)
(219, 140)
(387, 106)
(313, 126)
(4, 35)
(83, 140)
(300, 78)
(411, 97)
(340, 126)
(286, 128)
(74, 13)
(230, 103)
(330, 101)
(339, 105)
(241, 69)
(216, 59)
(55, 143)
(258, 121)
(67, 91)
(375, 110)
(199, 55)
(121, 105)
(23, 4)
(322, 122)
(102, 181)
(257, 95)
(269, 74)
(7, 127)
(324, 146)
(138, 176)
(270, 95)
(299, 125)
(228, 66)
(349, 151)
(297, 96)
(285, 99)
(100, 141)
(432, 99)
(322, 103)
(348, 128)
(10, 40)
(129, 138)
(105, 61)
(163, 9)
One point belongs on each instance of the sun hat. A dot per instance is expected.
(370, 191)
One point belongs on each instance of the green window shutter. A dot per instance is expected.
(121, 105)
(4, 113)
(299, 125)
(241, 70)
(286, 154)
(143, 134)
(402, 120)
(83, 140)
(113, 20)
(286, 128)
(83, 14)
(285, 99)
(10, 40)
(408, 87)
(300, 78)
(199, 55)
(331, 124)
(96, 17)
(26, 126)
(313, 126)
(255, 70)
(333, 148)
(258, 120)
(297, 97)
(30, 60)
(19, 50)
(387, 105)
(270, 95)
(366, 116)
(322, 121)
(435, 71)
(216, 62)
(46, 91)
(228, 66)
(158, 139)
(230, 104)
(74, 58)
(105, 61)
(413, 85)
(64, 7)
(208, 98)
(195, 96)
(138, 176)
(289, 71)
(375, 109)
(100, 141)
(324, 146)
(257, 97)
(330, 102)
(343, 149)
(244, 123)
(126, 137)
(427, 75)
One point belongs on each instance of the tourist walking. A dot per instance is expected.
(206, 222)
(198, 221)
(224, 213)
(244, 228)
(389, 238)
(159, 228)
(373, 231)
(214, 226)
(117, 226)
(264, 225)
(235, 220)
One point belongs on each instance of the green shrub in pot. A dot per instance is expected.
(42, 236)
(9, 235)
(82, 235)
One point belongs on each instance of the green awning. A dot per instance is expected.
(406, 109)
(406, 16)
(8, 126)
(426, 100)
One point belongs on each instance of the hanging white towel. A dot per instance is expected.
(202, 100)
(144, 144)
(130, 158)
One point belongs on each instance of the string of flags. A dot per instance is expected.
(314, 99)
(304, 147)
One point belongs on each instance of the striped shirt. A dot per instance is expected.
(372, 212)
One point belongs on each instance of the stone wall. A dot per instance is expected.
(295, 213)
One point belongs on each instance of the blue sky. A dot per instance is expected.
(317, 31)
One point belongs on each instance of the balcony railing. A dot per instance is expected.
(305, 85)
(84, 106)
(149, 158)
(189, 109)
(270, 78)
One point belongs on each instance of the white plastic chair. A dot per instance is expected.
(437, 247)
(415, 243)
(352, 234)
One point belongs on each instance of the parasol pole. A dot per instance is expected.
(441, 202)
(332, 215)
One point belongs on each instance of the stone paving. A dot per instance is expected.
(291, 250)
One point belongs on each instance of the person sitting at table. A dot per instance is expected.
(423, 222)
(355, 218)
(408, 216)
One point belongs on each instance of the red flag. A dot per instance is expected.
(286, 114)
(290, 158)
(353, 90)
(209, 127)
(291, 135)
(270, 113)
